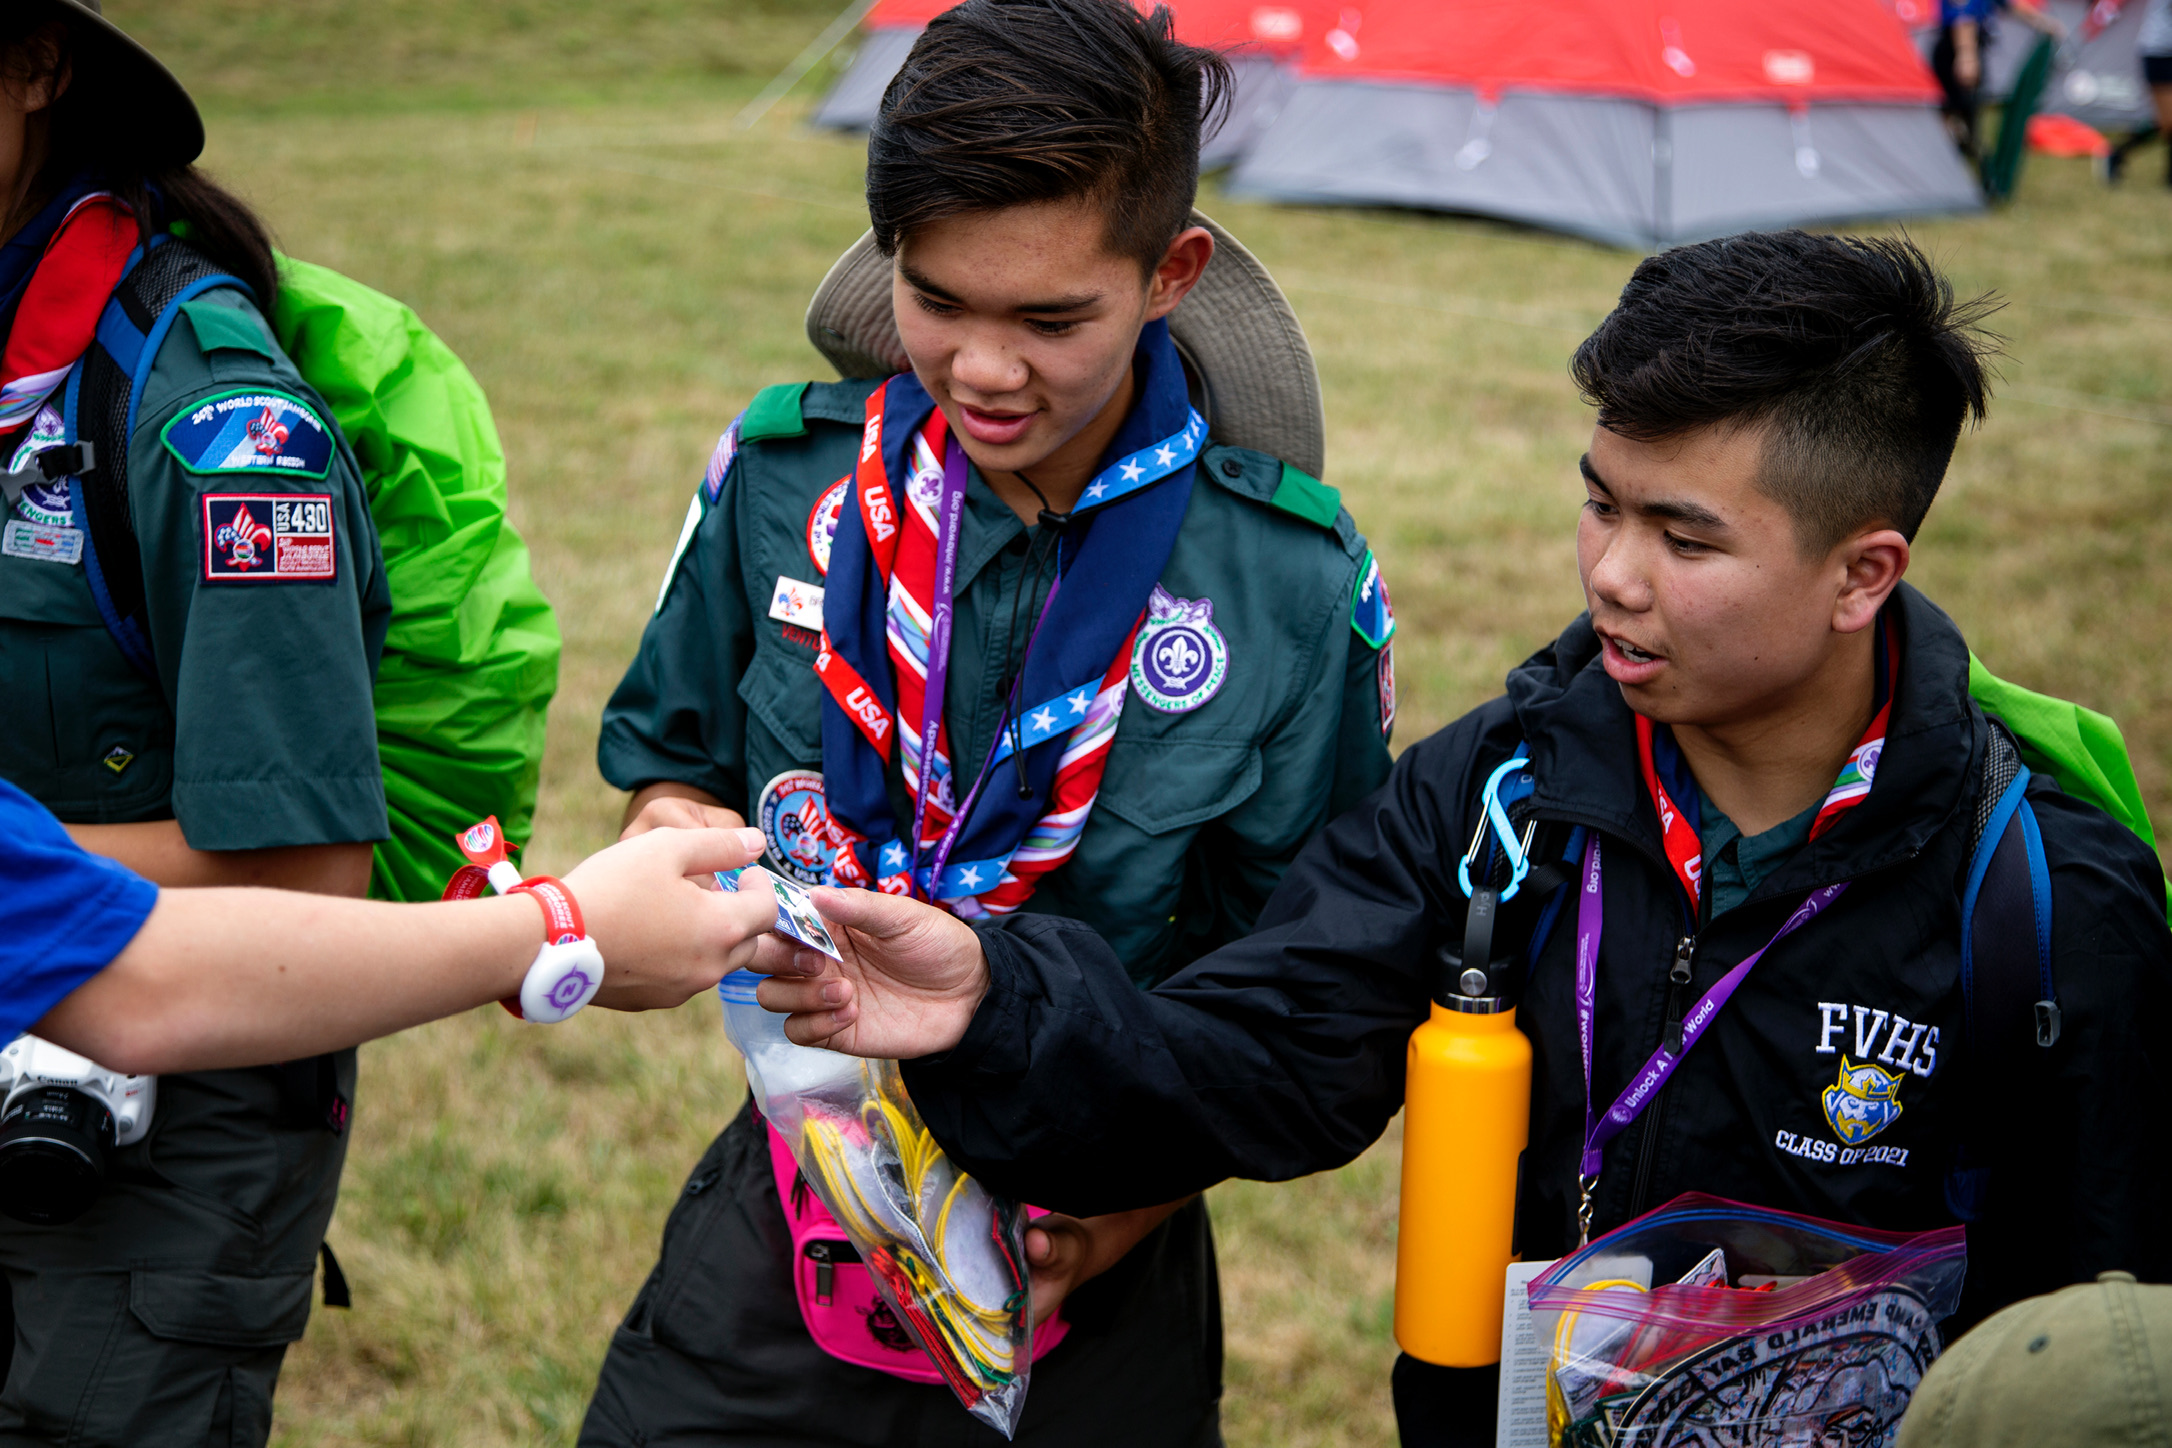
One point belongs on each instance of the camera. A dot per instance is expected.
(60, 1115)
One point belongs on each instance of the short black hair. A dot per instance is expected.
(1010, 102)
(1851, 350)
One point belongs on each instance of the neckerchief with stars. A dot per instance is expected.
(983, 851)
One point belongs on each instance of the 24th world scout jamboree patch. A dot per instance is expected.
(269, 538)
(822, 524)
(247, 432)
(793, 815)
(1181, 659)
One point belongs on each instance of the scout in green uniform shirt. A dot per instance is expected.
(1255, 696)
(247, 754)
(258, 730)
(1203, 804)
(256, 735)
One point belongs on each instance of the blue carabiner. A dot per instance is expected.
(1519, 859)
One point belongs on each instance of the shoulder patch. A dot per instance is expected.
(720, 461)
(774, 412)
(1307, 497)
(1370, 612)
(249, 431)
(269, 538)
(219, 327)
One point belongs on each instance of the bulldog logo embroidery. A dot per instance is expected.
(1863, 1102)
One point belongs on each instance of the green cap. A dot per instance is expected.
(2091, 1365)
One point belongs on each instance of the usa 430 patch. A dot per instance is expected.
(245, 432)
(269, 538)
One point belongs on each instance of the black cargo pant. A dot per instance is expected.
(714, 1350)
(158, 1319)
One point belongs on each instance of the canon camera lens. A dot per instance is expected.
(53, 1144)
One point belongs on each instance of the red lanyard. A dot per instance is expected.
(1685, 851)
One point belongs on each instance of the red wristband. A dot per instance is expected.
(561, 914)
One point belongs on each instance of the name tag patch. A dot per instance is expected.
(42, 541)
(792, 602)
(246, 432)
(269, 538)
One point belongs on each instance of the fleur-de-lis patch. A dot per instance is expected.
(1180, 660)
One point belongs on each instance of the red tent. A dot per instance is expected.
(1666, 52)
(1263, 39)
(1634, 121)
(1277, 24)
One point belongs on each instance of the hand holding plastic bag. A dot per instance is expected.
(949, 1258)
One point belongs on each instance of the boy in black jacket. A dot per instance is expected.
(1753, 710)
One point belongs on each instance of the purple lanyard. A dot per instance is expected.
(949, 521)
(950, 514)
(1590, 922)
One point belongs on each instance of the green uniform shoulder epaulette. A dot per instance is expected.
(774, 412)
(1267, 479)
(1307, 497)
(785, 410)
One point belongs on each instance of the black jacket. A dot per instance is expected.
(1283, 1054)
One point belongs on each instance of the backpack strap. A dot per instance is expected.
(2006, 970)
(103, 393)
(2008, 995)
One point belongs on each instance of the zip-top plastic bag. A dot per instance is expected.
(1720, 1325)
(948, 1257)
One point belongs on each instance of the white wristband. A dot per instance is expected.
(562, 980)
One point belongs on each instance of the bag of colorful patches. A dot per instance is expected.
(948, 1258)
(1710, 1322)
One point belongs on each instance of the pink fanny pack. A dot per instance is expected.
(844, 1313)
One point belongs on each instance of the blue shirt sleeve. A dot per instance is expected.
(64, 913)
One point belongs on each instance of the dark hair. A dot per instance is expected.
(93, 128)
(1851, 351)
(1008, 102)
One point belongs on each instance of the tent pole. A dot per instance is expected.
(1662, 176)
(807, 60)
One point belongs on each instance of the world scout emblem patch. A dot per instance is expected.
(1181, 659)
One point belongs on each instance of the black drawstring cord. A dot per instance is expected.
(1049, 520)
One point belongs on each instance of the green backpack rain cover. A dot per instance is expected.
(471, 658)
(2080, 748)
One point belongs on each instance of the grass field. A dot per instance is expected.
(559, 189)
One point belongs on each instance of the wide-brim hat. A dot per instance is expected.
(1239, 338)
(143, 95)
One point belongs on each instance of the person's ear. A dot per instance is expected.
(1179, 271)
(1872, 564)
(46, 72)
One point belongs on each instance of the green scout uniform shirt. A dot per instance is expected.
(259, 730)
(1735, 864)
(1199, 812)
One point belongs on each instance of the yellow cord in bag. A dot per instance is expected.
(889, 1185)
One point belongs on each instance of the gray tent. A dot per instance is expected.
(853, 101)
(1627, 121)
(2096, 78)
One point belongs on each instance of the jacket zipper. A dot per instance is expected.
(1670, 1039)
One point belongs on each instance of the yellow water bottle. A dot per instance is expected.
(1466, 1117)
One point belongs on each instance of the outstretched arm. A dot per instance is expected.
(1044, 1071)
(239, 977)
